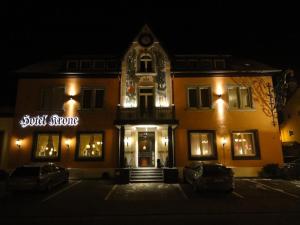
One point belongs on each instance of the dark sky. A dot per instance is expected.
(268, 32)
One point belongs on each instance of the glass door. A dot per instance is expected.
(146, 101)
(146, 149)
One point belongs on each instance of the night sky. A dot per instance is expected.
(269, 32)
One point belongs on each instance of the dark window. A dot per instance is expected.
(202, 144)
(72, 65)
(52, 98)
(192, 97)
(99, 98)
(205, 97)
(199, 97)
(87, 99)
(93, 98)
(86, 64)
(219, 64)
(146, 64)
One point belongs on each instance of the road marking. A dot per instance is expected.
(274, 189)
(181, 191)
(110, 192)
(60, 191)
(238, 195)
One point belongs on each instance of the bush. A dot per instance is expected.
(271, 171)
(105, 175)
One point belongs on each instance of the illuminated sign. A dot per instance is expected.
(52, 121)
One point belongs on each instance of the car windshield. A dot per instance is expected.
(26, 172)
(215, 171)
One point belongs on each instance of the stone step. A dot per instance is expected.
(146, 175)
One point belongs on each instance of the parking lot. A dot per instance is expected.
(86, 199)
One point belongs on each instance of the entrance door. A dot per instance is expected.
(146, 153)
(146, 101)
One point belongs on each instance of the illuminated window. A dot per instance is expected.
(245, 144)
(199, 97)
(92, 98)
(46, 146)
(90, 146)
(239, 97)
(146, 63)
(52, 98)
(202, 145)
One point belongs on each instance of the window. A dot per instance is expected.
(245, 145)
(52, 98)
(202, 145)
(219, 63)
(72, 65)
(46, 146)
(146, 63)
(199, 97)
(90, 146)
(92, 98)
(239, 97)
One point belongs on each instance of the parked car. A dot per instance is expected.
(38, 176)
(3, 182)
(215, 177)
(291, 169)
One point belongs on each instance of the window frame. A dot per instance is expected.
(239, 87)
(214, 156)
(52, 99)
(78, 158)
(93, 99)
(198, 96)
(256, 143)
(34, 146)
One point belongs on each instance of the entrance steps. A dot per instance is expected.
(146, 175)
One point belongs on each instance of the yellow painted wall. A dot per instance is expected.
(224, 120)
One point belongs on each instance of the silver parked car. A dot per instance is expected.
(204, 176)
(38, 176)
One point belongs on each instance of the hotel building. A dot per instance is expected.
(146, 109)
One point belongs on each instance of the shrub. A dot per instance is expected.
(105, 175)
(271, 171)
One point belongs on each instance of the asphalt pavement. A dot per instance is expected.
(254, 201)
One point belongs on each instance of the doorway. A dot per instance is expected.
(146, 101)
(146, 149)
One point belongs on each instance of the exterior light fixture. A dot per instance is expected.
(127, 141)
(68, 142)
(18, 143)
(224, 141)
(219, 96)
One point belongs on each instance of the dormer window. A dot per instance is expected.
(146, 63)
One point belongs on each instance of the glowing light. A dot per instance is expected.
(162, 102)
(42, 121)
(98, 143)
(127, 141)
(198, 151)
(144, 147)
(165, 141)
(88, 146)
(224, 141)
(18, 143)
(72, 87)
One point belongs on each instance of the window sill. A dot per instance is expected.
(242, 110)
(199, 109)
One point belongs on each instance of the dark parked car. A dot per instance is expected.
(291, 169)
(215, 177)
(3, 182)
(39, 176)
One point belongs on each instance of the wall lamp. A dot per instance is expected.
(219, 95)
(224, 141)
(18, 143)
(68, 142)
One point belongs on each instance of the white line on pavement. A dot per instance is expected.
(274, 189)
(181, 191)
(110, 192)
(60, 191)
(238, 195)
